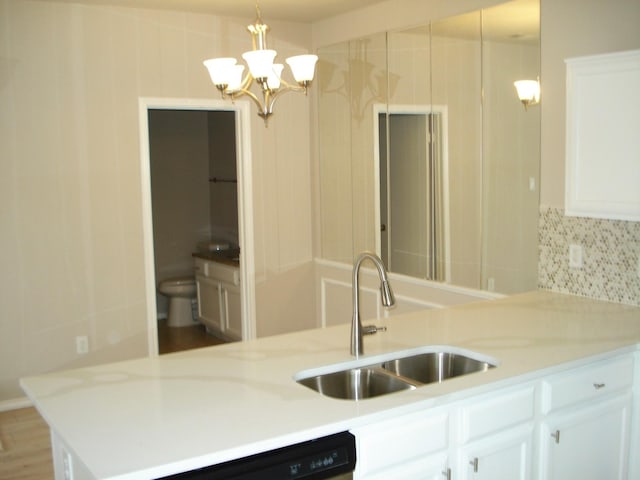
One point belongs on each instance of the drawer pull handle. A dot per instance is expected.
(447, 474)
(474, 464)
(598, 386)
(556, 436)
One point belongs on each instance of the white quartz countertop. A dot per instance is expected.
(157, 416)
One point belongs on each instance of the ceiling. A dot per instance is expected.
(305, 11)
(514, 21)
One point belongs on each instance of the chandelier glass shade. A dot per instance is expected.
(227, 75)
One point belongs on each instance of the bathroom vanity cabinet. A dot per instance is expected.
(218, 290)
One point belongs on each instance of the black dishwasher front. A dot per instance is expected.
(329, 457)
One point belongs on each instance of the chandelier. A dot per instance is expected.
(226, 74)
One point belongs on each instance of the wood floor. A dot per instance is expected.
(25, 450)
(184, 338)
(25, 445)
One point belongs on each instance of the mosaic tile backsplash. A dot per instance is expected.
(610, 251)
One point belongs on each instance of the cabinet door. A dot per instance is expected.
(433, 467)
(232, 312)
(503, 456)
(402, 444)
(588, 443)
(209, 303)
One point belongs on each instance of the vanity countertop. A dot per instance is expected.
(230, 256)
(156, 416)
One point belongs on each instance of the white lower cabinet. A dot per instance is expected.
(585, 433)
(412, 446)
(496, 435)
(488, 437)
(506, 455)
(573, 425)
(434, 467)
(591, 443)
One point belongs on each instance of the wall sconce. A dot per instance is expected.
(528, 92)
(227, 76)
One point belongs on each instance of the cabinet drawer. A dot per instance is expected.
(217, 271)
(586, 383)
(401, 440)
(497, 413)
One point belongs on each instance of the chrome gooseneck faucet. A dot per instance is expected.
(357, 330)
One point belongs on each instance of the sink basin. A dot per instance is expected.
(435, 366)
(405, 372)
(356, 383)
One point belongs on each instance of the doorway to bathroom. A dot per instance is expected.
(195, 165)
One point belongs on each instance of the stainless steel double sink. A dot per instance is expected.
(405, 372)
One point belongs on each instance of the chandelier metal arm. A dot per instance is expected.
(243, 91)
(265, 105)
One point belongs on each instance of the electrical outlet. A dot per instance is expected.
(575, 256)
(491, 284)
(82, 344)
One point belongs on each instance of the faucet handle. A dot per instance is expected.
(371, 329)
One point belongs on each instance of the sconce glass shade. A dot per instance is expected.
(528, 91)
(220, 70)
(260, 62)
(303, 67)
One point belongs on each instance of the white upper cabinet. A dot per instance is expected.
(603, 139)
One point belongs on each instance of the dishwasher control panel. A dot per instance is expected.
(318, 459)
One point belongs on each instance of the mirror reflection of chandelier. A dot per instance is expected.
(362, 82)
(226, 74)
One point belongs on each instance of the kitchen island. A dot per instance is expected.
(158, 416)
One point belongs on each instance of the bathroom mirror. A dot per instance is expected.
(458, 204)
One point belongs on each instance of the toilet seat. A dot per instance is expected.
(179, 281)
(178, 286)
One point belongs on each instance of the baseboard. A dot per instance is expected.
(15, 403)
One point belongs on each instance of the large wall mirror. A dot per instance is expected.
(426, 154)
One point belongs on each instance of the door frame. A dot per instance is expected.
(245, 206)
(379, 108)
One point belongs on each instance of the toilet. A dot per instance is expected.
(181, 291)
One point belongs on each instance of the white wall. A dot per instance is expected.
(71, 247)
